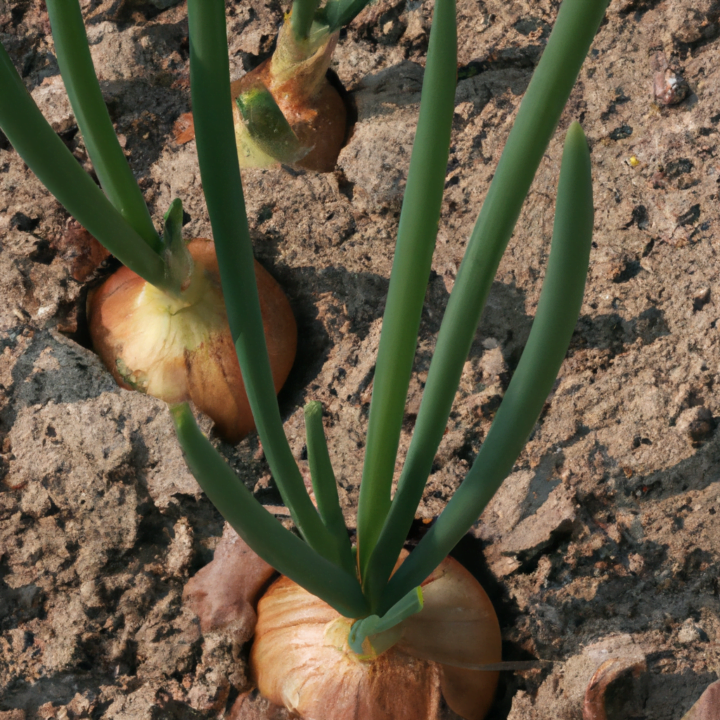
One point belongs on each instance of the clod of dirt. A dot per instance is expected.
(81, 251)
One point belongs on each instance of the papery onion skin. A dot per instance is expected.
(458, 624)
(149, 342)
(300, 657)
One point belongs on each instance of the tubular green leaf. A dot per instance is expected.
(177, 256)
(325, 485)
(286, 552)
(537, 117)
(56, 167)
(83, 89)
(342, 12)
(408, 281)
(302, 16)
(552, 329)
(210, 88)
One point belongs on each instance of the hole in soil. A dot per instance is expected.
(43, 253)
(348, 102)
(24, 223)
(17, 14)
(73, 321)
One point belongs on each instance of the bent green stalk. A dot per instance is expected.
(555, 320)
(417, 232)
(537, 117)
(220, 172)
(325, 485)
(286, 552)
(83, 89)
(59, 171)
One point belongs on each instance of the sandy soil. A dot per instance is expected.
(603, 542)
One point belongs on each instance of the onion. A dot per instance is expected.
(301, 659)
(180, 350)
(295, 76)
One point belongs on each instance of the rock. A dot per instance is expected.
(690, 633)
(570, 679)
(377, 157)
(696, 423)
(532, 535)
(51, 97)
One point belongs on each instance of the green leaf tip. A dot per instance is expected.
(575, 134)
(268, 126)
(313, 409)
(178, 261)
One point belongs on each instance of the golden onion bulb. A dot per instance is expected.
(182, 350)
(301, 659)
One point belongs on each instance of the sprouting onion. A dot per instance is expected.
(159, 323)
(286, 109)
(364, 615)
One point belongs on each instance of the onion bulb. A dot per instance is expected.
(301, 658)
(181, 349)
(295, 76)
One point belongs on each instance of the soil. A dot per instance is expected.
(603, 543)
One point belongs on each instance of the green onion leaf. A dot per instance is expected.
(325, 485)
(539, 113)
(408, 281)
(381, 633)
(555, 319)
(268, 127)
(83, 89)
(215, 135)
(302, 16)
(59, 171)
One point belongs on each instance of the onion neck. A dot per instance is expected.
(182, 294)
(300, 65)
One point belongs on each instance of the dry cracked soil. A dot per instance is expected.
(601, 551)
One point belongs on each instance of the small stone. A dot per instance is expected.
(12, 714)
(669, 86)
(181, 548)
(463, 110)
(35, 500)
(696, 423)
(690, 633)
(701, 297)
